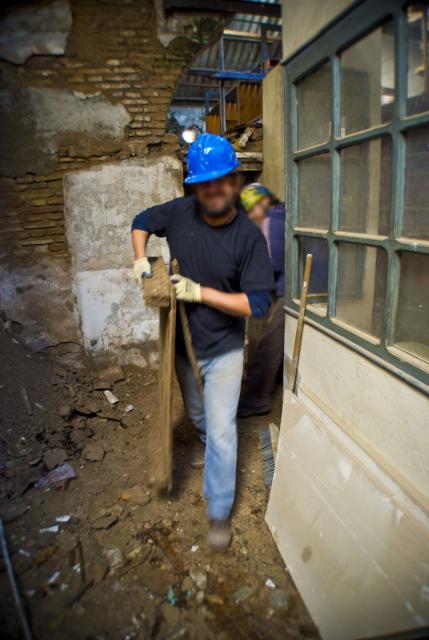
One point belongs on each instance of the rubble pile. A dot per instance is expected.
(95, 552)
(247, 136)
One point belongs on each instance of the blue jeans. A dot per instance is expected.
(215, 419)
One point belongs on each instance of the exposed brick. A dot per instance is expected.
(36, 241)
(124, 62)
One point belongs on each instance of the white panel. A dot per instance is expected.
(378, 407)
(359, 560)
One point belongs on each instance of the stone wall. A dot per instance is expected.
(84, 83)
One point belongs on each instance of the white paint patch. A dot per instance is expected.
(113, 314)
(399, 514)
(345, 468)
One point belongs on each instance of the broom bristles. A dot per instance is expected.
(267, 455)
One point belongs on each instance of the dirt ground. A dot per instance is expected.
(121, 563)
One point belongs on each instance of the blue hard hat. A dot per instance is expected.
(210, 157)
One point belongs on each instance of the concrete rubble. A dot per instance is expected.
(101, 541)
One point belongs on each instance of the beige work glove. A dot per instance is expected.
(141, 270)
(186, 289)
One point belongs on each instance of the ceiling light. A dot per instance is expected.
(190, 134)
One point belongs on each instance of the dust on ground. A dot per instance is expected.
(98, 557)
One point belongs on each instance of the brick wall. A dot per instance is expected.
(112, 51)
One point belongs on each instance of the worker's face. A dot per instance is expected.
(218, 197)
(259, 210)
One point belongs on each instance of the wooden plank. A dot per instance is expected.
(157, 290)
(163, 455)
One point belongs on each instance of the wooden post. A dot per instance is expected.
(159, 293)
(300, 326)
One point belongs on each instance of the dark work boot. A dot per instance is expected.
(245, 410)
(219, 535)
(198, 455)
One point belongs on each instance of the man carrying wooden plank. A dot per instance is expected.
(225, 276)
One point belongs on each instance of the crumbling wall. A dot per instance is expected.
(84, 83)
(113, 316)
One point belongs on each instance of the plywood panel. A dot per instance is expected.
(358, 558)
(247, 107)
(213, 124)
(249, 101)
(273, 175)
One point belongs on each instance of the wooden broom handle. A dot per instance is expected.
(187, 336)
(300, 326)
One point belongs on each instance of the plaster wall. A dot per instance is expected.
(41, 290)
(35, 30)
(116, 325)
(100, 204)
(84, 84)
(303, 19)
(49, 118)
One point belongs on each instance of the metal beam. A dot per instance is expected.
(202, 71)
(222, 107)
(243, 76)
(248, 76)
(200, 99)
(225, 6)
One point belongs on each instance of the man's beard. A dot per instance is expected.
(218, 213)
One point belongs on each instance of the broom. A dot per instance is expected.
(269, 436)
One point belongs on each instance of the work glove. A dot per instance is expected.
(186, 289)
(141, 270)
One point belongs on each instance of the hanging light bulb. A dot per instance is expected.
(190, 134)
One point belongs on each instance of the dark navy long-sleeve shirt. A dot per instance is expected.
(231, 258)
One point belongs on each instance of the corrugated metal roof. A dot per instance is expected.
(238, 55)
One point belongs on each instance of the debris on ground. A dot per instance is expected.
(96, 554)
(54, 458)
(56, 476)
(111, 398)
(136, 495)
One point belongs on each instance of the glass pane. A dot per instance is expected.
(418, 71)
(314, 107)
(314, 192)
(368, 81)
(361, 286)
(366, 178)
(416, 212)
(412, 319)
(317, 296)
